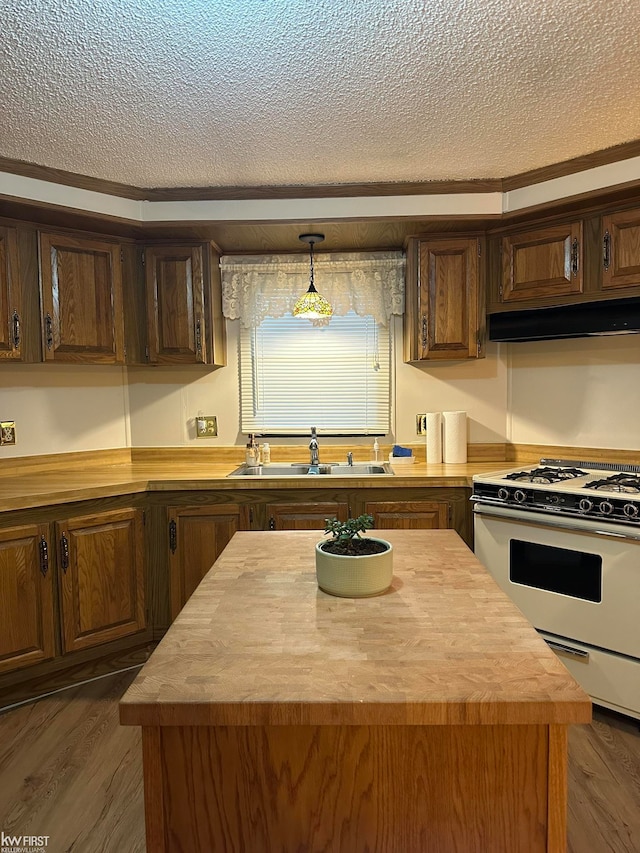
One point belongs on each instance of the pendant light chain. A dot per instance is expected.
(312, 287)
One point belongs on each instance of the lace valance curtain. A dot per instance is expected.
(368, 283)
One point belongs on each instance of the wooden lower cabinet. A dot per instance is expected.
(101, 573)
(197, 536)
(409, 515)
(305, 515)
(27, 618)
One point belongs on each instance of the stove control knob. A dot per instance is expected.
(585, 505)
(503, 494)
(631, 510)
(606, 507)
(520, 496)
(553, 499)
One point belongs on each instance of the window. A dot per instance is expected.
(294, 375)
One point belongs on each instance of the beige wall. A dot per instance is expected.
(63, 408)
(476, 387)
(582, 392)
(165, 402)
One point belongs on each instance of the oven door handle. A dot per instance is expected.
(567, 650)
(506, 514)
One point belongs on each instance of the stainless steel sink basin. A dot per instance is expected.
(303, 470)
(360, 469)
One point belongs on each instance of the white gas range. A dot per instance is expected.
(602, 491)
(562, 538)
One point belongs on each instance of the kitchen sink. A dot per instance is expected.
(304, 470)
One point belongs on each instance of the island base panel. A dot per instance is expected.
(350, 788)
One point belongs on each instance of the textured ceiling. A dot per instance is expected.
(278, 92)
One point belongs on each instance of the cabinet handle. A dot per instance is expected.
(424, 331)
(16, 330)
(272, 523)
(173, 536)
(64, 552)
(44, 556)
(199, 336)
(606, 250)
(48, 325)
(574, 256)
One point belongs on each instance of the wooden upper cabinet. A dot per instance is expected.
(10, 297)
(102, 579)
(82, 316)
(27, 629)
(184, 310)
(444, 312)
(621, 250)
(542, 263)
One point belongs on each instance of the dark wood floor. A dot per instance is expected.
(70, 771)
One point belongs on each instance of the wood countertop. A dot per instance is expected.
(64, 484)
(259, 644)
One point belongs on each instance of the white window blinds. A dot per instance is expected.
(294, 375)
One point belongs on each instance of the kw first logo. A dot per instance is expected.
(22, 843)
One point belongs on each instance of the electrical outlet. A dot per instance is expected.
(7, 432)
(206, 426)
(421, 424)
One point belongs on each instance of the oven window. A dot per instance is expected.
(573, 573)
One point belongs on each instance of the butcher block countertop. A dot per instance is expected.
(259, 644)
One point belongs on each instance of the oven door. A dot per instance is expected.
(575, 578)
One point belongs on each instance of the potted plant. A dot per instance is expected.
(351, 565)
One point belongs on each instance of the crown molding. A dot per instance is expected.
(614, 154)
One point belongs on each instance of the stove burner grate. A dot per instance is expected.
(618, 483)
(546, 475)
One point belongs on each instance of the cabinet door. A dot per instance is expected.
(621, 250)
(541, 263)
(81, 300)
(102, 578)
(305, 516)
(197, 536)
(409, 515)
(26, 597)
(10, 297)
(177, 328)
(444, 293)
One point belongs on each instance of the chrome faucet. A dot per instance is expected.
(350, 459)
(313, 448)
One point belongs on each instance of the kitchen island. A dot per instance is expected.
(276, 717)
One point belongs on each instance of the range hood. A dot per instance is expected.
(612, 317)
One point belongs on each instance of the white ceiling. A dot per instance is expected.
(279, 92)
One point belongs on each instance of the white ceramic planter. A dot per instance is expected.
(354, 577)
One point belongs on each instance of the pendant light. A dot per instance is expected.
(311, 304)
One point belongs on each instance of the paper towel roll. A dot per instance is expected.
(434, 437)
(454, 437)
